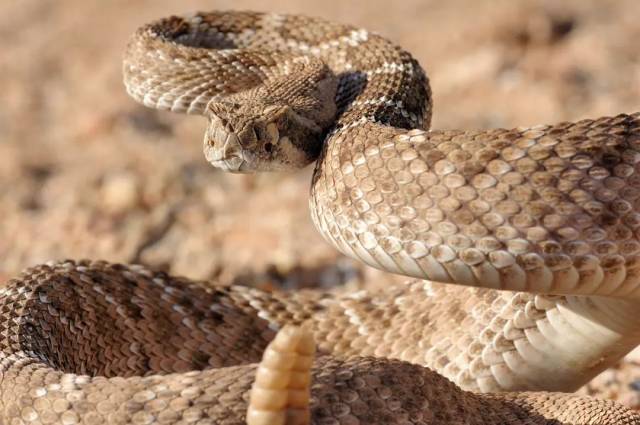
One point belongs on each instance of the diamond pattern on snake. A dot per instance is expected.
(522, 244)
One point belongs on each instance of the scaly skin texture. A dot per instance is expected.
(538, 211)
(94, 342)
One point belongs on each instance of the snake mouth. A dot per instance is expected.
(234, 165)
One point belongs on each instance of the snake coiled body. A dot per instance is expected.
(540, 222)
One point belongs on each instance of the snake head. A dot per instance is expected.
(263, 130)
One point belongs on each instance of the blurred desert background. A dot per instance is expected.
(85, 172)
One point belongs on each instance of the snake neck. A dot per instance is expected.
(368, 81)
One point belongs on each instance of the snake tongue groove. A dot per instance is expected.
(523, 242)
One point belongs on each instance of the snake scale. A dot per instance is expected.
(539, 223)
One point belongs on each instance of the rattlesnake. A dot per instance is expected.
(518, 215)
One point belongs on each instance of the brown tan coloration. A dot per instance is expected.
(543, 210)
(244, 128)
(92, 342)
(550, 209)
(281, 389)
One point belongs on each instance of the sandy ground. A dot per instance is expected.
(87, 173)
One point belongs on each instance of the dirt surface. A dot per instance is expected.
(87, 173)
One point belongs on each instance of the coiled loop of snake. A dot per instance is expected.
(548, 209)
(543, 210)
